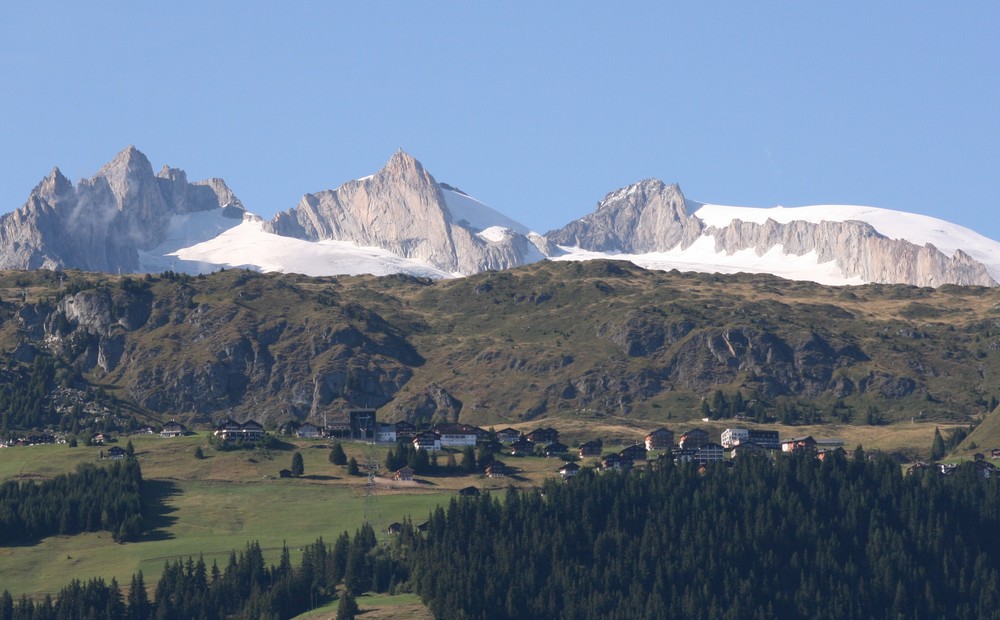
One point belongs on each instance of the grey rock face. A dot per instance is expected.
(102, 222)
(857, 249)
(652, 217)
(648, 216)
(401, 209)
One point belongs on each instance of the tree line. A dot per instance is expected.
(244, 589)
(845, 537)
(93, 498)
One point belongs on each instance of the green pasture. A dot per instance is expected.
(377, 607)
(209, 507)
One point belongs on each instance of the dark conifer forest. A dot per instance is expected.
(95, 497)
(795, 538)
(845, 537)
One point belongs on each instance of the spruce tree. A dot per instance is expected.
(337, 454)
(937, 446)
(348, 607)
(298, 466)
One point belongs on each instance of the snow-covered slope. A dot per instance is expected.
(653, 225)
(249, 245)
(468, 211)
(702, 257)
(912, 227)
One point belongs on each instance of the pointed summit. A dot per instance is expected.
(54, 185)
(129, 158)
(406, 168)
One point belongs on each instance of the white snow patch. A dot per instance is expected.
(495, 234)
(702, 257)
(476, 215)
(248, 245)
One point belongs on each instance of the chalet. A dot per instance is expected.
(635, 452)
(496, 469)
(660, 439)
(468, 492)
(995, 453)
(947, 469)
(915, 467)
(403, 475)
(985, 469)
(709, 453)
(745, 448)
(591, 448)
(508, 435)
(569, 470)
(173, 429)
(555, 448)
(794, 444)
(405, 430)
(427, 440)
(309, 430)
(458, 435)
(251, 430)
(145, 430)
(693, 439)
(394, 528)
(386, 433)
(835, 452)
(543, 436)
(613, 461)
(117, 453)
(522, 447)
(99, 438)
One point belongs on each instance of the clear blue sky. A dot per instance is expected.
(537, 109)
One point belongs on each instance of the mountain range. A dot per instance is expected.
(128, 219)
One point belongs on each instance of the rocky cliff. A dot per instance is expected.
(650, 217)
(103, 222)
(402, 209)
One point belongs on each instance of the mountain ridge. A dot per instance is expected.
(400, 219)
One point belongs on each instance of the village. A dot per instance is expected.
(361, 425)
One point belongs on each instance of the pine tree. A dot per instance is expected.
(298, 465)
(352, 467)
(348, 607)
(337, 454)
(937, 446)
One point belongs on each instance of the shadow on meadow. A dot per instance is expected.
(157, 513)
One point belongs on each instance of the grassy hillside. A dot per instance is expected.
(214, 505)
(585, 340)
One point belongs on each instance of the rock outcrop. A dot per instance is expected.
(650, 216)
(103, 222)
(402, 209)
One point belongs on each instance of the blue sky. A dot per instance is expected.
(537, 109)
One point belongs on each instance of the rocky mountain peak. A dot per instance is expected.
(54, 185)
(405, 168)
(648, 216)
(105, 221)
